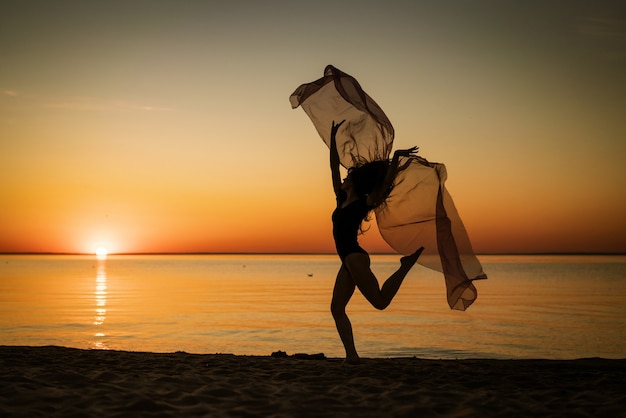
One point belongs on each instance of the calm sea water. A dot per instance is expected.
(555, 307)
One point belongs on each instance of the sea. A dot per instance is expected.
(532, 306)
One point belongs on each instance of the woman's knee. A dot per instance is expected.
(337, 309)
(374, 297)
(379, 304)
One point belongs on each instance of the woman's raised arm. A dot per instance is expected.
(334, 157)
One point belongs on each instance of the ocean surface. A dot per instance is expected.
(553, 307)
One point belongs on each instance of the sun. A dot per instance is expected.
(101, 252)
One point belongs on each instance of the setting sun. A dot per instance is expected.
(101, 251)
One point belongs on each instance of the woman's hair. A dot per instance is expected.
(369, 177)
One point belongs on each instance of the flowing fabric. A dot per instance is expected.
(419, 211)
(367, 133)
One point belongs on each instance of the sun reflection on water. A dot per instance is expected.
(101, 303)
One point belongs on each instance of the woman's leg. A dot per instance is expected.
(358, 264)
(343, 291)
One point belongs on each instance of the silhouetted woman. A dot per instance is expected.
(365, 188)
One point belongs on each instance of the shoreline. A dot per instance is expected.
(58, 381)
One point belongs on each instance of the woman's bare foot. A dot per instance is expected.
(410, 260)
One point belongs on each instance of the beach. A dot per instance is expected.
(55, 381)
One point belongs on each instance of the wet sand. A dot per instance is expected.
(65, 382)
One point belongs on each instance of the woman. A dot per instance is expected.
(365, 188)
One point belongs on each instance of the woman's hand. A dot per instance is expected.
(407, 152)
(410, 152)
(335, 128)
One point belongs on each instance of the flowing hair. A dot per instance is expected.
(366, 179)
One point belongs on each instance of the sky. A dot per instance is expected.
(165, 126)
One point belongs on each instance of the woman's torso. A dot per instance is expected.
(347, 218)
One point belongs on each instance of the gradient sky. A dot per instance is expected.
(165, 126)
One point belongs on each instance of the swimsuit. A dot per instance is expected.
(346, 223)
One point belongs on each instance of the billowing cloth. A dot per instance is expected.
(366, 135)
(419, 212)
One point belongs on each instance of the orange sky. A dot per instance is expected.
(166, 126)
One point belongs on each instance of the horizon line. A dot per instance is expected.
(289, 253)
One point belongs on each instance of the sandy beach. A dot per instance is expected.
(55, 381)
